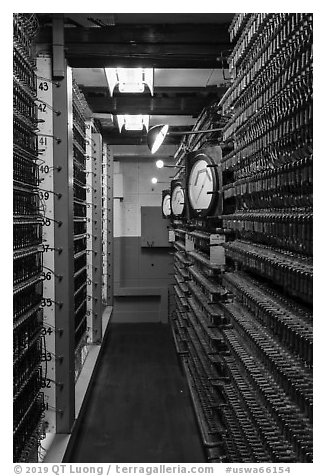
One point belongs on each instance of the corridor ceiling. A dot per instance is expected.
(187, 51)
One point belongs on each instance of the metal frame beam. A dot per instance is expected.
(184, 106)
(121, 139)
(159, 90)
(128, 58)
(58, 34)
(159, 46)
(146, 34)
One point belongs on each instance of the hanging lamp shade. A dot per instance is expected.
(156, 136)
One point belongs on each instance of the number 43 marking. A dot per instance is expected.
(43, 86)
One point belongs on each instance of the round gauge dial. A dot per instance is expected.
(166, 205)
(177, 200)
(201, 184)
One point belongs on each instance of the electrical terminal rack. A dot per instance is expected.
(27, 252)
(241, 309)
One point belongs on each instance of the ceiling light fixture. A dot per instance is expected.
(154, 181)
(157, 134)
(130, 80)
(133, 122)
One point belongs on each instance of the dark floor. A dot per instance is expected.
(139, 410)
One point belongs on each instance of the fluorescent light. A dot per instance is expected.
(133, 122)
(159, 164)
(154, 180)
(130, 80)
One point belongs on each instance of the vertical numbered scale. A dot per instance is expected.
(28, 402)
(46, 196)
(80, 227)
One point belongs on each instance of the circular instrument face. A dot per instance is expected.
(200, 183)
(177, 200)
(166, 205)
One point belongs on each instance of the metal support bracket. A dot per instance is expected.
(58, 55)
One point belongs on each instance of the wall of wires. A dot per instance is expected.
(57, 259)
(80, 225)
(242, 312)
(27, 255)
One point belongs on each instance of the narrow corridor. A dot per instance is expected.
(139, 409)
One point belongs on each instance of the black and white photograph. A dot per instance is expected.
(162, 241)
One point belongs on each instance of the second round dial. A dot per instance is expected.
(177, 201)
